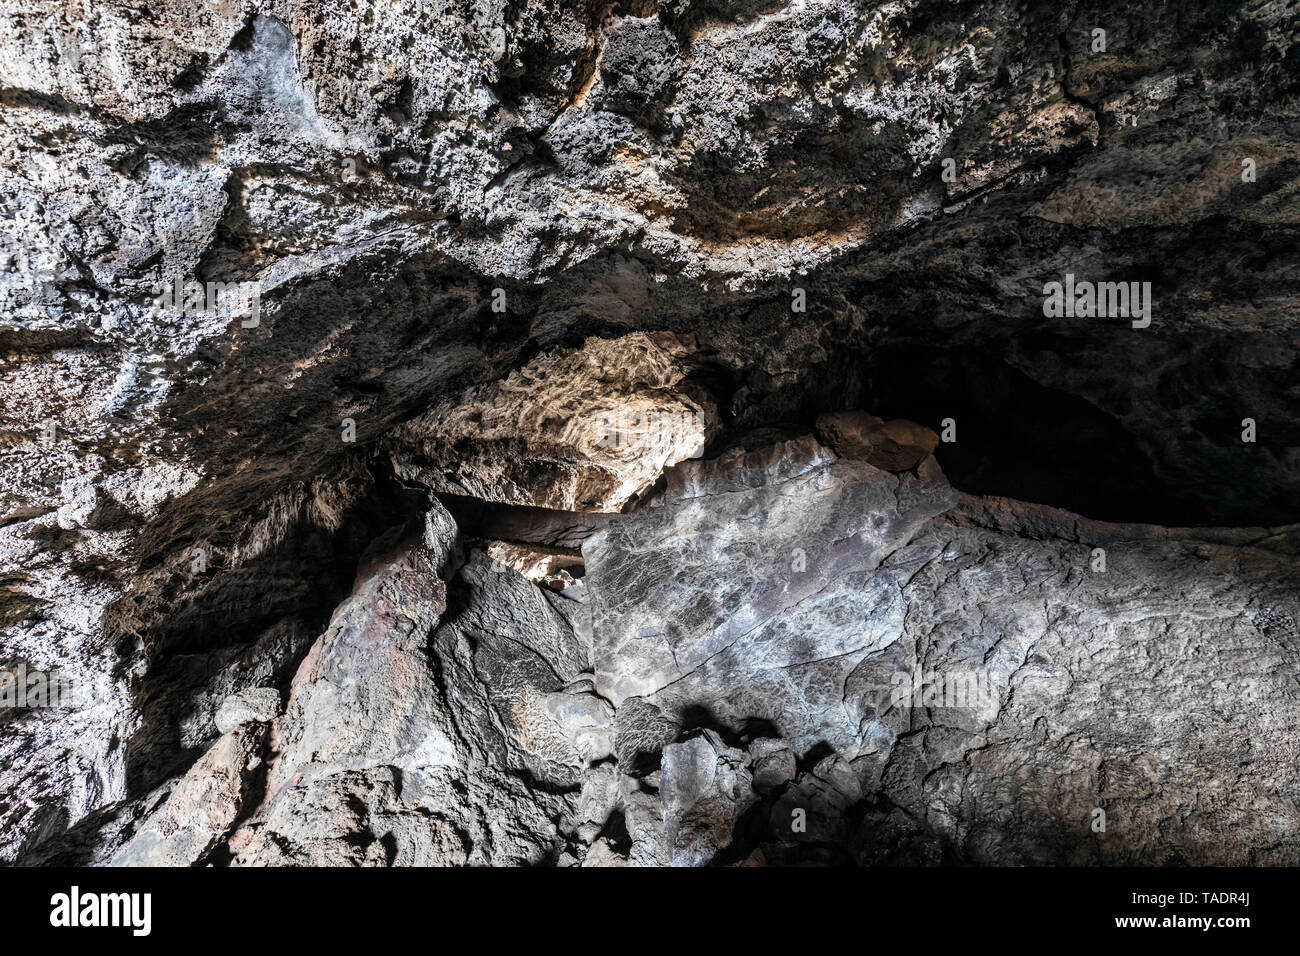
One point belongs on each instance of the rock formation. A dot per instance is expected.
(642, 434)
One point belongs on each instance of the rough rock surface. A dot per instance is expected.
(533, 258)
(204, 805)
(416, 734)
(1035, 688)
(827, 663)
(249, 706)
(898, 445)
(583, 431)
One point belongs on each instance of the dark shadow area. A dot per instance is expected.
(1018, 439)
(210, 626)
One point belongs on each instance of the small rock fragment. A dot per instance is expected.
(896, 445)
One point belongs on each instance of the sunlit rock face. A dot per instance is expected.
(633, 396)
(585, 430)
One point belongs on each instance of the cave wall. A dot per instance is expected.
(477, 230)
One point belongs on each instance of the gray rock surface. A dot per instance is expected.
(260, 704)
(479, 232)
(418, 735)
(938, 678)
(203, 807)
(978, 688)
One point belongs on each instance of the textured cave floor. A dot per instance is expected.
(479, 632)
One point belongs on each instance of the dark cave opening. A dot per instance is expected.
(1016, 438)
